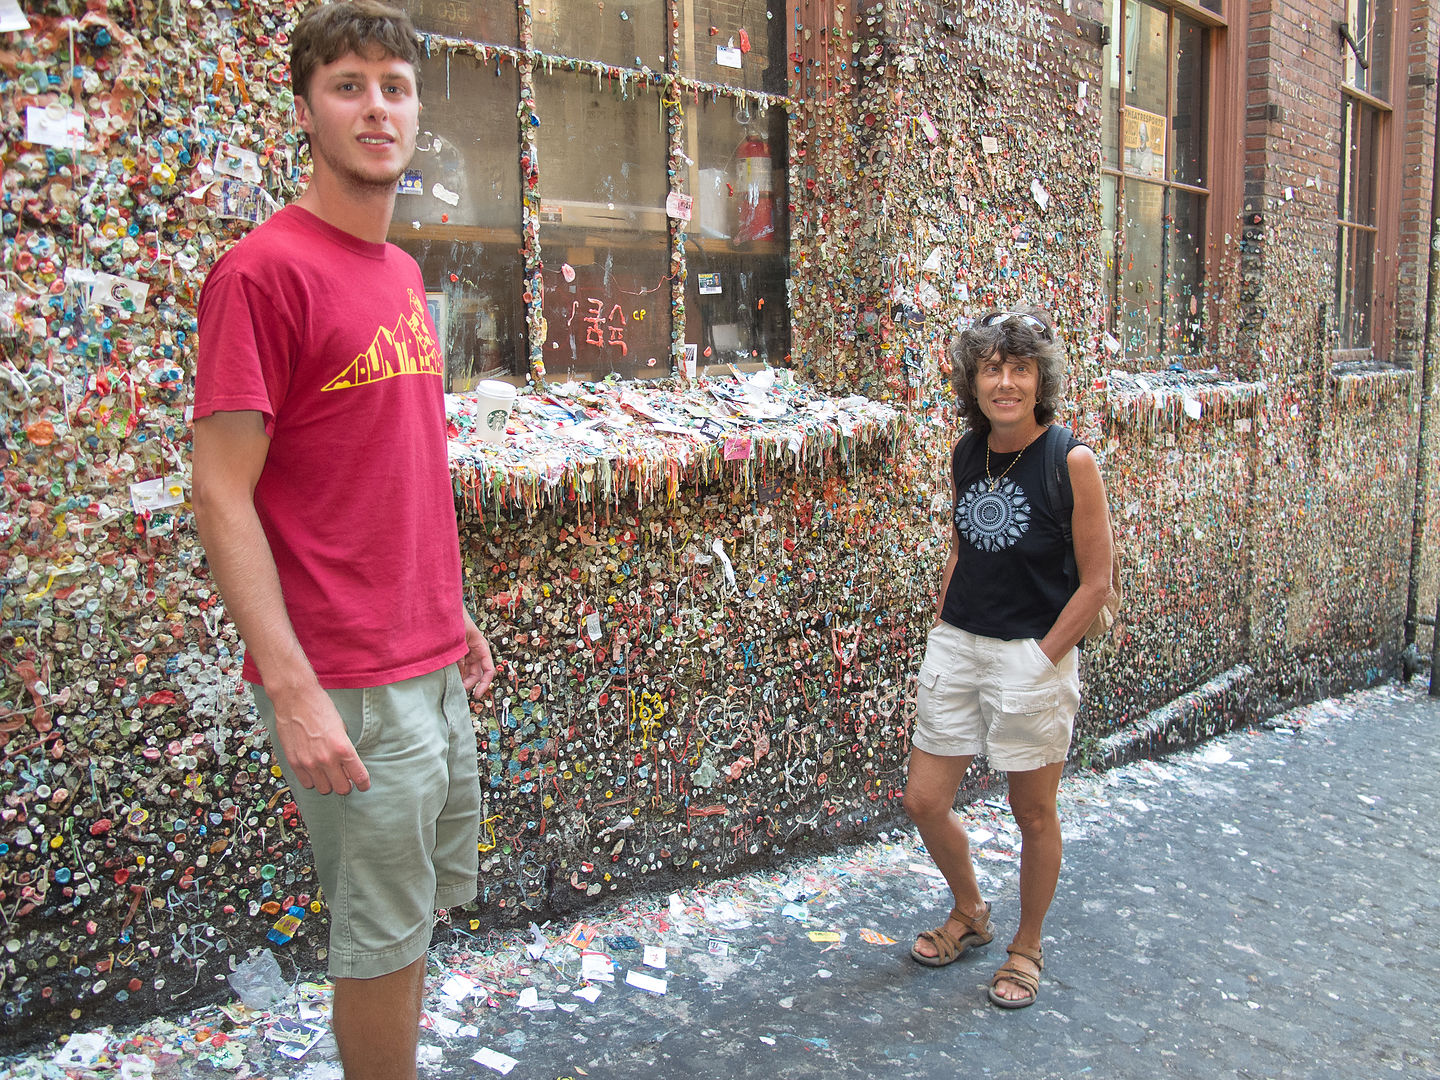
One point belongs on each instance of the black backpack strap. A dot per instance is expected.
(1059, 440)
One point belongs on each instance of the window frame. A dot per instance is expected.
(676, 93)
(1386, 107)
(1223, 179)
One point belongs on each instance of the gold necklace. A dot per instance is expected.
(996, 479)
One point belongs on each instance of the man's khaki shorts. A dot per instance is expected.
(388, 857)
(1003, 699)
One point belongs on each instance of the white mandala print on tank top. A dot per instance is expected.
(993, 520)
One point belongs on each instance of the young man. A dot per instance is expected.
(323, 499)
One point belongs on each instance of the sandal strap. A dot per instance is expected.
(946, 945)
(976, 924)
(1009, 972)
(1036, 955)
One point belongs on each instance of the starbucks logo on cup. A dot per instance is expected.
(496, 420)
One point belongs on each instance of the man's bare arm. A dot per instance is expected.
(229, 452)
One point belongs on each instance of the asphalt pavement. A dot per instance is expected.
(1264, 906)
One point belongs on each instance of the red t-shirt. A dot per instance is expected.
(329, 337)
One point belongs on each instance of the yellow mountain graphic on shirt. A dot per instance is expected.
(407, 348)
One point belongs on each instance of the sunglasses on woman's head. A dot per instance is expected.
(998, 317)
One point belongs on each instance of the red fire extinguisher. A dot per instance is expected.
(755, 215)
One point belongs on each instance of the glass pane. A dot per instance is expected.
(458, 214)
(1343, 194)
(734, 44)
(466, 169)
(474, 20)
(1110, 89)
(602, 164)
(1109, 237)
(1369, 24)
(1355, 283)
(1184, 273)
(736, 241)
(1142, 260)
(1378, 51)
(630, 33)
(1362, 200)
(1147, 54)
(1187, 127)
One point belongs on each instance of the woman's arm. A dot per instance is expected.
(1094, 551)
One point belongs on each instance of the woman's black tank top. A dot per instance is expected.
(1009, 580)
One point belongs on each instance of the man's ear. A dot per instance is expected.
(302, 114)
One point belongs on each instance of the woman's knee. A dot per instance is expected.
(922, 806)
(1034, 817)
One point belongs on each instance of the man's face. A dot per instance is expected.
(361, 114)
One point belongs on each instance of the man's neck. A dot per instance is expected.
(366, 217)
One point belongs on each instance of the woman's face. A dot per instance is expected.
(1006, 388)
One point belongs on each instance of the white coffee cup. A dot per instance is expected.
(493, 401)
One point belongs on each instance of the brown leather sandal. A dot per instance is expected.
(1010, 972)
(948, 947)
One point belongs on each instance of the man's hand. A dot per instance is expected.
(316, 744)
(477, 667)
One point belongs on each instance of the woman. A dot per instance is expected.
(1000, 675)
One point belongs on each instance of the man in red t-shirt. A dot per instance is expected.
(323, 498)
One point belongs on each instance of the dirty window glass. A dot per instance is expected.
(1357, 232)
(733, 44)
(1155, 141)
(458, 214)
(735, 301)
(628, 33)
(603, 229)
(474, 20)
(1187, 113)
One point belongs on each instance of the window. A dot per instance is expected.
(587, 193)
(1363, 111)
(1155, 184)
(458, 214)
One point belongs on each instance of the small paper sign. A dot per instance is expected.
(932, 133)
(708, 284)
(11, 17)
(412, 182)
(148, 496)
(989, 144)
(493, 1059)
(53, 125)
(1041, 196)
(655, 956)
(583, 934)
(119, 292)
(641, 981)
(727, 57)
(737, 448)
(236, 161)
(596, 967)
(678, 206)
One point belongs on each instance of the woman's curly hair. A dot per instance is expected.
(1011, 338)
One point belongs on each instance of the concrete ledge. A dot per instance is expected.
(1222, 703)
